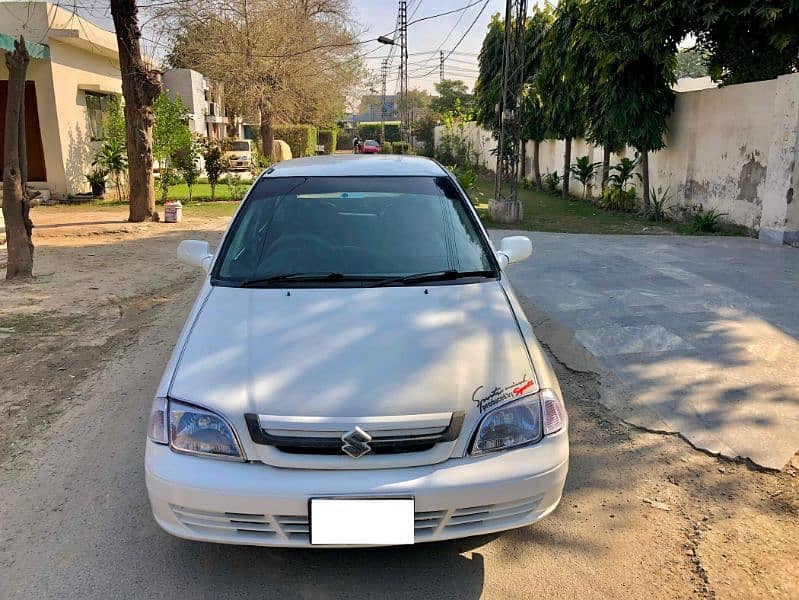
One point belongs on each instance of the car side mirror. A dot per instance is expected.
(514, 249)
(196, 253)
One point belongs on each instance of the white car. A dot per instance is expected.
(356, 370)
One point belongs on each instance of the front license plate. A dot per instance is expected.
(387, 521)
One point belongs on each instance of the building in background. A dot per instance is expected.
(204, 100)
(73, 72)
(370, 109)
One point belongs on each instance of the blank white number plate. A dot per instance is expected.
(359, 521)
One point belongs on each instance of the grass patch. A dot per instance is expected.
(547, 212)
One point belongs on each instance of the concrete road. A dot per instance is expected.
(642, 516)
(703, 332)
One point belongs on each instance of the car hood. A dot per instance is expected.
(343, 352)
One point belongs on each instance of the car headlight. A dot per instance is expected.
(525, 421)
(193, 430)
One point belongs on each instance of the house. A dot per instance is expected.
(373, 109)
(73, 72)
(203, 100)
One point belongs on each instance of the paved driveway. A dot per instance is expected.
(702, 332)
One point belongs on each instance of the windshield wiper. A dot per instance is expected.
(312, 277)
(433, 276)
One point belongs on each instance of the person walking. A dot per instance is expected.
(356, 145)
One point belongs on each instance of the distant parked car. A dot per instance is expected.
(240, 155)
(370, 147)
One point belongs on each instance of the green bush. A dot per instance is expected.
(401, 147)
(706, 221)
(386, 148)
(616, 198)
(371, 131)
(300, 138)
(328, 138)
(344, 139)
(551, 181)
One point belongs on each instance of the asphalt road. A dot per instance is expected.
(75, 520)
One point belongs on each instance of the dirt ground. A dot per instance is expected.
(82, 348)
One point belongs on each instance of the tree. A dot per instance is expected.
(691, 62)
(487, 87)
(140, 88)
(749, 40)
(112, 159)
(535, 124)
(285, 61)
(16, 205)
(213, 155)
(448, 90)
(171, 135)
(562, 90)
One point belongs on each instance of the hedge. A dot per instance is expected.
(344, 140)
(386, 148)
(402, 148)
(300, 138)
(371, 131)
(327, 137)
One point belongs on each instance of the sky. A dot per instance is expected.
(460, 34)
(426, 39)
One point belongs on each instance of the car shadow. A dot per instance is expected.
(449, 569)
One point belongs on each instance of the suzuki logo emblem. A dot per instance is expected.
(356, 443)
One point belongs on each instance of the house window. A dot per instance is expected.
(97, 106)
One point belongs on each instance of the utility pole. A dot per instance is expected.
(505, 206)
(383, 76)
(403, 34)
(441, 66)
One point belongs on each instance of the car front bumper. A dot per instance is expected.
(255, 504)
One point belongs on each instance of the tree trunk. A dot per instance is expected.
(267, 133)
(140, 88)
(15, 201)
(605, 166)
(645, 179)
(567, 159)
(537, 164)
(523, 158)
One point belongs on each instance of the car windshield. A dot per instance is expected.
(240, 146)
(351, 229)
(371, 143)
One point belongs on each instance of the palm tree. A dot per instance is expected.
(112, 158)
(584, 170)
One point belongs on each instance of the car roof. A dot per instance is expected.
(355, 165)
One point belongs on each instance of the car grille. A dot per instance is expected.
(427, 524)
(394, 439)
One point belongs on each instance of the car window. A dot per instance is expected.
(371, 143)
(373, 227)
(240, 146)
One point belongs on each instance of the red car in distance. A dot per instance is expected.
(370, 147)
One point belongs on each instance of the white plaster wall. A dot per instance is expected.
(716, 151)
(74, 69)
(187, 84)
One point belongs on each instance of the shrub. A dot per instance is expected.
(300, 138)
(706, 221)
(215, 163)
(386, 148)
(659, 205)
(584, 170)
(616, 198)
(371, 131)
(328, 138)
(344, 139)
(401, 148)
(624, 171)
(551, 181)
(466, 176)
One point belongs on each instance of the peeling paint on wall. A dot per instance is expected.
(753, 174)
